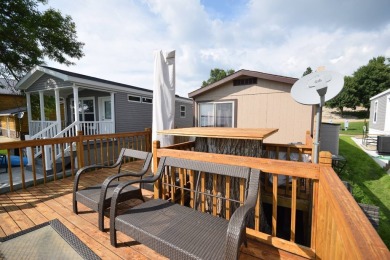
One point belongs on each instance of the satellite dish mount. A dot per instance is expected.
(315, 89)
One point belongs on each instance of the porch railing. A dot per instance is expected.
(337, 228)
(82, 151)
(37, 126)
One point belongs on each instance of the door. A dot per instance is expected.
(105, 115)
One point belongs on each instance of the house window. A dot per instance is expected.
(182, 111)
(375, 111)
(216, 114)
(132, 98)
(86, 109)
(147, 100)
(247, 81)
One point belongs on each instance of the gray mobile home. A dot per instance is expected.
(380, 114)
(102, 106)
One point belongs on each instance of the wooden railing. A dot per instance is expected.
(337, 228)
(75, 152)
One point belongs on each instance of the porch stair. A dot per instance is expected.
(57, 165)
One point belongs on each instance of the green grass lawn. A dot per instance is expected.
(354, 128)
(371, 184)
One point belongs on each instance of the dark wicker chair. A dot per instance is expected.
(95, 196)
(180, 232)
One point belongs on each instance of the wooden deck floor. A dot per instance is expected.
(23, 209)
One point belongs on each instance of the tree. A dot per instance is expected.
(217, 74)
(28, 35)
(308, 71)
(346, 98)
(371, 79)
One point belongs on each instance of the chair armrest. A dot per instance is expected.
(84, 169)
(119, 189)
(235, 231)
(106, 183)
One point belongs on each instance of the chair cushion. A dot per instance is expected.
(175, 231)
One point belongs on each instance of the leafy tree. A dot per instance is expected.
(308, 71)
(217, 74)
(346, 98)
(371, 79)
(28, 35)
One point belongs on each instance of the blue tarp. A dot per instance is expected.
(15, 161)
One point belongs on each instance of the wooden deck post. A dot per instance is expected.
(148, 139)
(80, 150)
(325, 158)
(157, 184)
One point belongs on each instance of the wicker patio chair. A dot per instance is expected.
(180, 232)
(98, 197)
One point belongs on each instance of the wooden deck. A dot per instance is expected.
(23, 209)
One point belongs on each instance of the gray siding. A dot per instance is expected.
(381, 115)
(131, 116)
(40, 84)
(188, 120)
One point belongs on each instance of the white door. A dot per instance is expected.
(105, 114)
(387, 115)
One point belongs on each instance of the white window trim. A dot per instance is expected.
(185, 111)
(218, 102)
(142, 101)
(81, 99)
(140, 98)
(375, 119)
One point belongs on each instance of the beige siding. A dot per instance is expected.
(266, 105)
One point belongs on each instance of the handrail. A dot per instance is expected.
(67, 129)
(343, 231)
(43, 133)
(88, 150)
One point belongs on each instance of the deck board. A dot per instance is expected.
(23, 209)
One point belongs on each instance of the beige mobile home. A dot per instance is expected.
(251, 99)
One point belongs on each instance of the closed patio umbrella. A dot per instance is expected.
(163, 95)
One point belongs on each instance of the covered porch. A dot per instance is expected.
(92, 113)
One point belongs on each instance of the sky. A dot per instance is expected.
(274, 36)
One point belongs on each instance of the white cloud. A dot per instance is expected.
(271, 36)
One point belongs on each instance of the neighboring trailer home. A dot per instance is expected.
(251, 99)
(380, 114)
(13, 119)
(103, 106)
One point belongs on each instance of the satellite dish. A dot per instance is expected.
(315, 89)
(305, 90)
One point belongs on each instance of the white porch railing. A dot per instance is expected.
(37, 126)
(88, 128)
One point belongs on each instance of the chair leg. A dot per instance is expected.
(113, 237)
(101, 220)
(75, 209)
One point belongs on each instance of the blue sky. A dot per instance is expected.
(278, 37)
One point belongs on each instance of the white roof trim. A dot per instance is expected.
(380, 94)
(35, 74)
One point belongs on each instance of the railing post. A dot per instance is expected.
(80, 150)
(29, 152)
(157, 184)
(325, 158)
(48, 162)
(148, 139)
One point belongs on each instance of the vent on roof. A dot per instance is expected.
(247, 81)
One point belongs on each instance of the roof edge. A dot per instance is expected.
(380, 94)
(239, 73)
